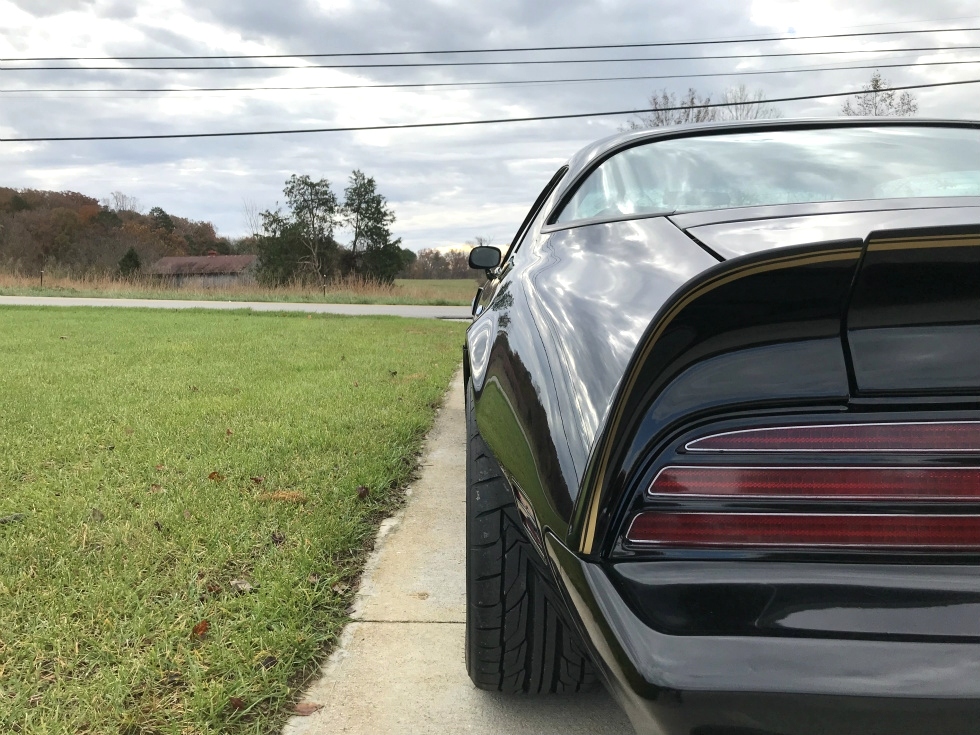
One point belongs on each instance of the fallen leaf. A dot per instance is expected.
(187, 515)
(240, 586)
(111, 447)
(97, 515)
(236, 703)
(363, 491)
(194, 389)
(305, 709)
(278, 539)
(154, 488)
(313, 579)
(158, 526)
(284, 496)
(160, 468)
(12, 518)
(201, 629)
(216, 476)
(64, 336)
(228, 432)
(258, 480)
(355, 383)
(393, 373)
(268, 662)
(213, 588)
(341, 588)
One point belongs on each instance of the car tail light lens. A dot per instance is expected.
(873, 483)
(960, 436)
(742, 530)
(734, 490)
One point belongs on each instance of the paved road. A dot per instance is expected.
(399, 666)
(431, 312)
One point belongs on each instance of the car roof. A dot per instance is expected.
(601, 149)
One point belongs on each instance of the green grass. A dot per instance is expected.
(430, 292)
(115, 545)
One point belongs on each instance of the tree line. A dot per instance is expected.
(875, 99)
(70, 231)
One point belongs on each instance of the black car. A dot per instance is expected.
(723, 399)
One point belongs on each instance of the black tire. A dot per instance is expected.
(518, 639)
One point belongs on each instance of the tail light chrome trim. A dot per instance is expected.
(817, 483)
(805, 530)
(914, 436)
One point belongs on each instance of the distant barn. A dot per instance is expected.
(206, 271)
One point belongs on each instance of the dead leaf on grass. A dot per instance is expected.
(160, 468)
(201, 629)
(305, 709)
(236, 703)
(154, 488)
(313, 579)
(278, 539)
(268, 662)
(216, 476)
(187, 515)
(97, 515)
(228, 432)
(283, 496)
(12, 518)
(241, 586)
(363, 491)
(258, 479)
(341, 588)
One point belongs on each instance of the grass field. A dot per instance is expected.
(185, 500)
(434, 292)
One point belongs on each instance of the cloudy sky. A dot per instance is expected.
(446, 185)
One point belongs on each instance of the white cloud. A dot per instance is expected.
(446, 185)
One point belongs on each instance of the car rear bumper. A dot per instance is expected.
(765, 685)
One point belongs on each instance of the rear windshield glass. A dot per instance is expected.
(780, 167)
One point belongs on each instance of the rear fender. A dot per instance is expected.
(763, 331)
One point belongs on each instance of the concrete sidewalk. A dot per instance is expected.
(399, 667)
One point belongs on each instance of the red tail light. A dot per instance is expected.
(858, 483)
(960, 436)
(852, 503)
(745, 530)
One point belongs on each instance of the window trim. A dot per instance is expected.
(534, 212)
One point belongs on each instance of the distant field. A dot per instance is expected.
(435, 292)
(185, 500)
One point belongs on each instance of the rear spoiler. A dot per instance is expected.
(812, 325)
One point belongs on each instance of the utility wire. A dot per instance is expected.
(460, 123)
(522, 62)
(756, 72)
(518, 49)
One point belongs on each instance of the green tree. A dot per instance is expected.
(129, 264)
(162, 220)
(366, 214)
(313, 217)
(878, 100)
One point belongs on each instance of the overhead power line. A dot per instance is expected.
(520, 62)
(506, 82)
(462, 123)
(499, 50)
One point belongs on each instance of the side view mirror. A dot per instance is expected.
(485, 257)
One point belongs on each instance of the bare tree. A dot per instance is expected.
(253, 222)
(741, 104)
(666, 108)
(737, 103)
(119, 202)
(878, 100)
(480, 241)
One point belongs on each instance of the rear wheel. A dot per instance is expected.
(518, 638)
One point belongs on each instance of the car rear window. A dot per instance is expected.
(779, 167)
